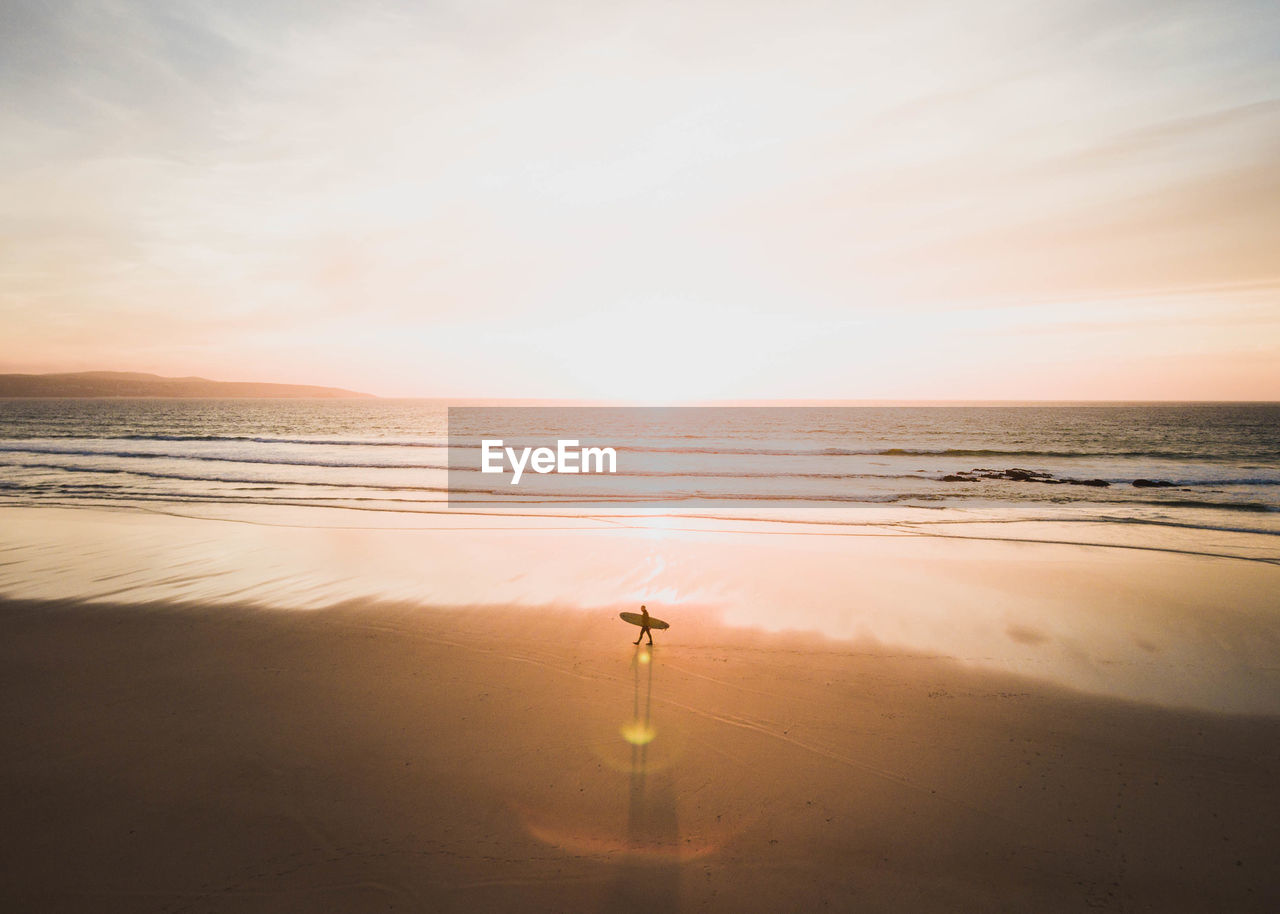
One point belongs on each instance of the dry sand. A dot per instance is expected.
(376, 757)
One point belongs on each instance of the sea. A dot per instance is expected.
(1198, 464)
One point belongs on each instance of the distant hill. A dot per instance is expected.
(135, 384)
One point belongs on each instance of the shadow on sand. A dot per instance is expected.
(649, 877)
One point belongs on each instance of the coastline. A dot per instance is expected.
(762, 281)
(1165, 615)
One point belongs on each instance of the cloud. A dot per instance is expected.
(215, 180)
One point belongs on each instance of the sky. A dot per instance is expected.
(652, 200)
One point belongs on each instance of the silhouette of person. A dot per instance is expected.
(644, 625)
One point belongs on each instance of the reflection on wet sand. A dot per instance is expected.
(649, 876)
(1140, 619)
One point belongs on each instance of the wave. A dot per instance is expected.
(394, 466)
(1051, 454)
(255, 439)
(916, 452)
(481, 496)
(1122, 481)
(188, 477)
(1220, 482)
(149, 455)
(1251, 506)
(1192, 456)
(730, 449)
(157, 455)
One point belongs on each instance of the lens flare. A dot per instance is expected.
(638, 733)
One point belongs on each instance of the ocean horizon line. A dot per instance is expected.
(798, 402)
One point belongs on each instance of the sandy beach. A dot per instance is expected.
(375, 756)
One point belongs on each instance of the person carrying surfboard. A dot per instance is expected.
(646, 622)
(644, 625)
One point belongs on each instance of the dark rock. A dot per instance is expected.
(1152, 484)
(1018, 474)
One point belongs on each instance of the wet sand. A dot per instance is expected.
(374, 757)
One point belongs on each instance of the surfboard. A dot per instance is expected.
(636, 619)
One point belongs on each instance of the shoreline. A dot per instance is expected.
(1171, 616)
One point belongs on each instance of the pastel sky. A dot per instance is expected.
(902, 199)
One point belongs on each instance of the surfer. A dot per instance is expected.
(644, 625)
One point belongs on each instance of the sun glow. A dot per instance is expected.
(802, 201)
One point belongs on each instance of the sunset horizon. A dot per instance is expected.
(723, 203)
(477, 399)
(601, 456)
